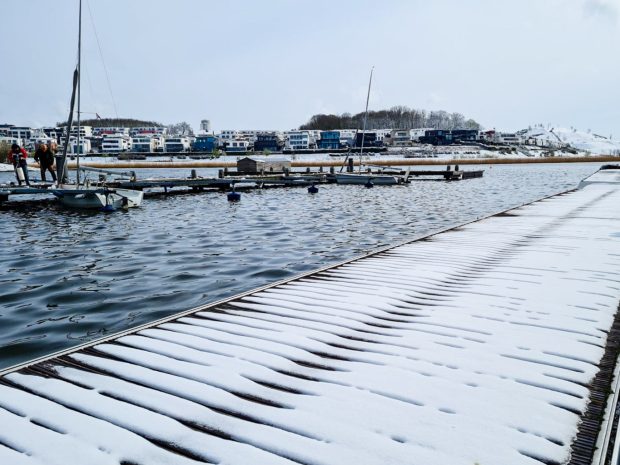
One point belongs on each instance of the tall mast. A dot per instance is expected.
(365, 117)
(79, 146)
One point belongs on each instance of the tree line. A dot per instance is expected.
(114, 122)
(398, 117)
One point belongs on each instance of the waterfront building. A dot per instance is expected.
(84, 147)
(227, 135)
(111, 130)
(370, 139)
(148, 130)
(446, 137)
(54, 133)
(498, 137)
(177, 144)
(301, 140)
(271, 141)
(347, 137)
(329, 140)
(114, 143)
(400, 137)
(238, 146)
(143, 143)
(85, 131)
(16, 132)
(205, 143)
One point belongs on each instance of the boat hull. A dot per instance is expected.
(362, 179)
(97, 199)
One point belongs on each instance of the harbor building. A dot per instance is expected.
(446, 137)
(238, 146)
(253, 165)
(329, 140)
(110, 130)
(369, 139)
(301, 140)
(205, 143)
(268, 141)
(114, 143)
(85, 131)
(16, 132)
(177, 144)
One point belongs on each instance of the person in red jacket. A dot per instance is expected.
(18, 156)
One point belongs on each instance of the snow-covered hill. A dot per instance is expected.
(580, 140)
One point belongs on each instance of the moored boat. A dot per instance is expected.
(363, 179)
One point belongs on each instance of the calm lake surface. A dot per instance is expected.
(67, 277)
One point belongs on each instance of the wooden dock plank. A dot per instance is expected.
(478, 344)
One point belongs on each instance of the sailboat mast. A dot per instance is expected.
(79, 145)
(365, 117)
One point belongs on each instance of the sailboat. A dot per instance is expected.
(83, 194)
(365, 179)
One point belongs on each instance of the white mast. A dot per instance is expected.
(365, 117)
(79, 147)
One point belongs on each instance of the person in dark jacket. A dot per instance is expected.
(18, 156)
(45, 158)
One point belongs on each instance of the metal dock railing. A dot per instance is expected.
(491, 343)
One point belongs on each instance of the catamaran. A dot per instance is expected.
(84, 194)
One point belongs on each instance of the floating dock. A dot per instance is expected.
(491, 343)
(230, 179)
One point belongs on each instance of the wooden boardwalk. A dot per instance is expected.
(481, 344)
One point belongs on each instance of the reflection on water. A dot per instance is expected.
(70, 276)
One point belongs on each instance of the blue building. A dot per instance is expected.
(268, 142)
(329, 140)
(205, 143)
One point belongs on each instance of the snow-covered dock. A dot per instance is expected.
(485, 344)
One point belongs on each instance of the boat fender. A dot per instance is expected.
(313, 189)
(369, 184)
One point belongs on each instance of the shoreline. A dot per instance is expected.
(377, 162)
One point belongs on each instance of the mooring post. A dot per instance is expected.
(350, 167)
(332, 170)
(226, 171)
(220, 174)
(194, 176)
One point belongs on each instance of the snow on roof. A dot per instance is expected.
(475, 345)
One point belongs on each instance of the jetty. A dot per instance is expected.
(494, 342)
(230, 179)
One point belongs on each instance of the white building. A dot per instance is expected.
(115, 143)
(85, 131)
(111, 130)
(301, 140)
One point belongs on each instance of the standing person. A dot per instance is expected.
(45, 158)
(18, 156)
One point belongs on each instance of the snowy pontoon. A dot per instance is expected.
(491, 343)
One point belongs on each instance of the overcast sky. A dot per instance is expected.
(272, 64)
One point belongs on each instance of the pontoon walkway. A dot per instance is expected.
(491, 343)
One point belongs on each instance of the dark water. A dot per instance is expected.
(67, 277)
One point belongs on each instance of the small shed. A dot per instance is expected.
(249, 165)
